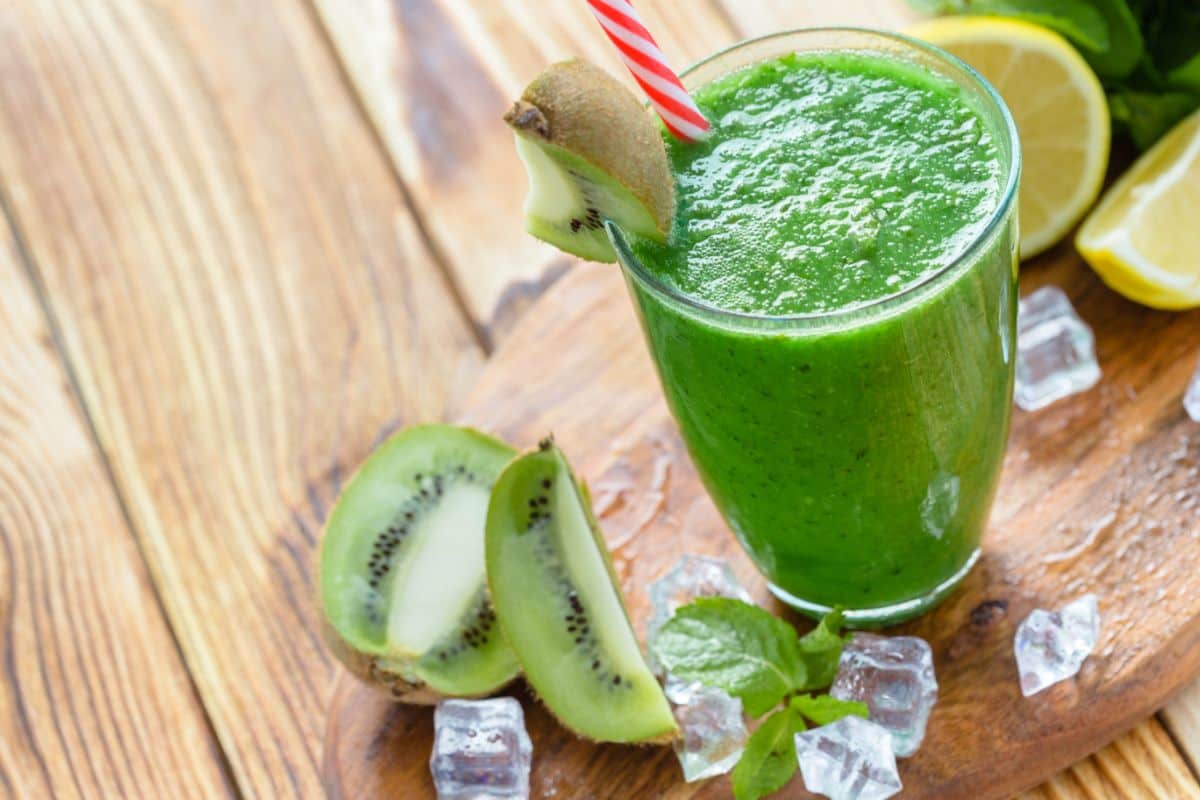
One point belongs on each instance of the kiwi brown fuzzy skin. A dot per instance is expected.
(368, 669)
(581, 108)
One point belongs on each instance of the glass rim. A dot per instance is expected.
(879, 305)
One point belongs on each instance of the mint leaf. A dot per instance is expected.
(1106, 32)
(1148, 115)
(1171, 30)
(824, 709)
(1186, 75)
(769, 760)
(1165, 87)
(820, 649)
(1146, 52)
(733, 646)
(1125, 43)
(1075, 19)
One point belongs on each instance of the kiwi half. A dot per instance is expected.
(557, 598)
(402, 579)
(593, 153)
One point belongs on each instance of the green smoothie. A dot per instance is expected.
(833, 321)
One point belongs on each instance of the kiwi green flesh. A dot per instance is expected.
(474, 659)
(440, 569)
(561, 610)
(570, 199)
(402, 575)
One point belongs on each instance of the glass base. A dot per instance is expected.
(882, 615)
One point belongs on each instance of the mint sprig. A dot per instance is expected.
(1077, 20)
(733, 646)
(750, 654)
(820, 650)
(769, 760)
(824, 709)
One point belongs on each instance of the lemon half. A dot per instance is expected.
(1059, 108)
(1143, 239)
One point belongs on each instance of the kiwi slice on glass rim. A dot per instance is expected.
(560, 606)
(402, 578)
(593, 154)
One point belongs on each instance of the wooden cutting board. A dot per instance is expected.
(1100, 494)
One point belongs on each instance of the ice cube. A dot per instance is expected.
(692, 576)
(1191, 398)
(679, 691)
(894, 676)
(480, 750)
(1056, 352)
(850, 759)
(1051, 646)
(713, 730)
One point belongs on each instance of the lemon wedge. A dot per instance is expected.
(1058, 105)
(1143, 239)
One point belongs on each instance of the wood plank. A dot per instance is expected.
(89, 674)
(249, 308)
(1123, 452)
(436, 75)
(1142, 763)
(761, 17)
(1182, 718)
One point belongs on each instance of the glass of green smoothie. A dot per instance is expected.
(833, 315)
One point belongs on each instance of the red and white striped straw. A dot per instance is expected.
(649, 67)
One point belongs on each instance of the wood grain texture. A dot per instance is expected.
(761, 17)
(248, 306)
(1099, 494)
(89, 674)
(436, 75)
(1141, 764)
(1182, 718)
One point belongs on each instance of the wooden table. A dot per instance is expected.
(243, 242)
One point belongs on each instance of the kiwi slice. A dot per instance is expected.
(402, 579)
(558, 601)
(593, 153)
